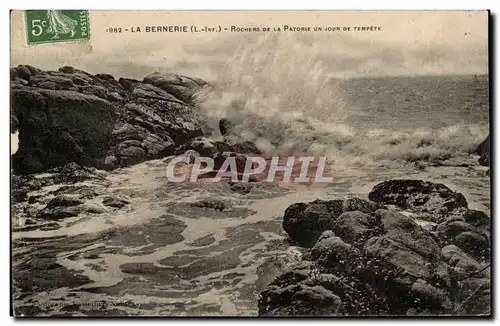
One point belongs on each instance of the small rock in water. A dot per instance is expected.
(114, 202)
(214, 204)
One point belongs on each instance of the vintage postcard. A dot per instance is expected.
(250, 163)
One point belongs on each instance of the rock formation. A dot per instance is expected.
(366, 259)
(95, 120)
(483, 150)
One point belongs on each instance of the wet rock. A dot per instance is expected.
(128, 84)
(428, 295)
(157, 147)
(150, 91)
(240, 187)
(46, 107)
(110, 162)
(225, 126)
(358, 204)
(26, 71)
(67, 69)
(398, 255)
(61, 207)
(106, 77)
(287, 296)
(407, 232)
(473, 243)
(21, 185)
(315, 300)
(18, 195)
(96, 90)
(483, 150)
(48, 129)
(73, 172)
(453, 228)
(58, 213)
(204, 147)
(419, 196)
(462, 263)
(228, 161)
(14, 123)
(330, 249)
(13, 74)
(64, 201)
(131, 155)
(477, 218)
(114, 97)
(355, 226)
(129, 132)
(240, 145)
(181, 87)
(211, 203)
(114, 202)
(474, 297)
(379, 261)
(304, 223)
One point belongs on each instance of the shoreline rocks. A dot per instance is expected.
(97, 121)
(72, 116)
(368, 259)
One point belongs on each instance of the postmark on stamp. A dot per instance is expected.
(50, 26)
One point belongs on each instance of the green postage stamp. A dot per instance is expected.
(50, 26)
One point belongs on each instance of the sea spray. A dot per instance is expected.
(282, 95)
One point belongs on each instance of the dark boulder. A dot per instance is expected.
(419, 196)
(183, 88)
(213, 204)
(474, 244)
(204, 147)
(67, 69)
(225, 126)
(61, 207)
(72, 116)
(304, 223)
(26, 71)
(356, 226)
(58, 127)
(478, 219)
(483, 150)
(106, 77)
(128, 84)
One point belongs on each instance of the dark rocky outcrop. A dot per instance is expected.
(95, 120)
(304, 223)
(366, 259)
(483, 150)
(434, 202)
(225, 126)
(183, 88)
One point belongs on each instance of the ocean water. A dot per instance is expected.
(161, 256)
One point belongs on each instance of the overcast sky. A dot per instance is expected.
(424, 42)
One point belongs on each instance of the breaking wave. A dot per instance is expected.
(280, 94)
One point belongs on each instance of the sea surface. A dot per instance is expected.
(161, 256)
